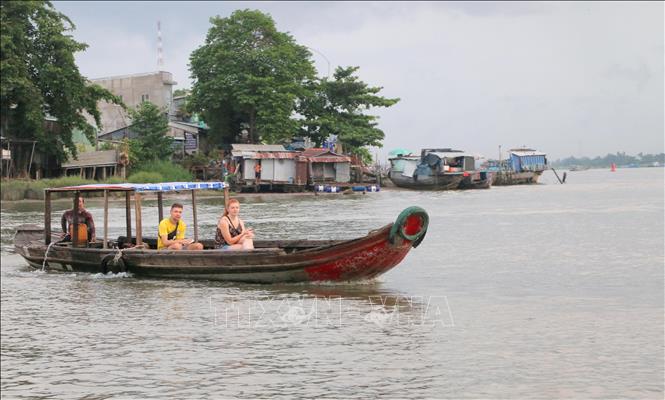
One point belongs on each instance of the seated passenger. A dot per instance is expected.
(84, 217)
(231, 232)
(171, 233)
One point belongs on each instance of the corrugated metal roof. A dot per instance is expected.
(527, 152)
(453, 154)
(315, 151)
(93, 159)
(276, 154)
(258, 147)
(409, 157)
(324, 155)
(185, 127)
(265, 154)
(330, 159)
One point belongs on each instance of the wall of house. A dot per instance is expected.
(329, 171)
(267, 169)
(284, 170)
(343, 172)
(134, 89)
(248, 169)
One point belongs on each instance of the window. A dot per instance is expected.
(145, 97)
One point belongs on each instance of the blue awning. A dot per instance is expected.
(146, 187)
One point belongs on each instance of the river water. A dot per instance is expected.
(544, 291)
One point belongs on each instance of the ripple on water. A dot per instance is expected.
(543, 291)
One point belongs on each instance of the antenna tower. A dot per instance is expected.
(160, 53)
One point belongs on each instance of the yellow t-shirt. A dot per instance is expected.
(166, 227)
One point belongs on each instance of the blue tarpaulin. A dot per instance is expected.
(149, 187)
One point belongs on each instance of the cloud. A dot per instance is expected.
(568, 78)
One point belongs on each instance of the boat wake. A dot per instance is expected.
(111, 275)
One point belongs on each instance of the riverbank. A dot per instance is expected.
(33, 190)
(23, 189)
(17, 205)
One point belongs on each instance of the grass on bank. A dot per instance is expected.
(159, 171)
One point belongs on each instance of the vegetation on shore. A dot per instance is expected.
(619, 159)
(248, 76)
(155, 171)
(40, 79)
(252, 83)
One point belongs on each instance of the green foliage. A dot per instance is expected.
(180, 92)
(248, 72)
(40, 77)
(364, 154)
(196, 160)
(106, 146)
(163, 171)
(145, 177)
(150, 124)
(620, 159)
(13, 190)
(336, 107)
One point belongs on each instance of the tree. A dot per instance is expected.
(248, 72)
(40, 78)
(180, 92)
(150, 125)
(336, 107)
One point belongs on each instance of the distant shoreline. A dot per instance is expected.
(202, 194)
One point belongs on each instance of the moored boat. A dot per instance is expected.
(271, 261)
(524, 166)
(437, 169)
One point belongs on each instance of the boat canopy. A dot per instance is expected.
(144, 187)
(526, 152)
(450, 154)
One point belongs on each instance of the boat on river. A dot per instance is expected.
(271, 261)
(524, 166)
(438, 169)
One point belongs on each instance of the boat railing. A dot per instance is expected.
(129, 189)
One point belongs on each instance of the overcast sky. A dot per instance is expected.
(581, 79)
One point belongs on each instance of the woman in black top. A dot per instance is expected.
(231, 232)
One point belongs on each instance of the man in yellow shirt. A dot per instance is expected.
(171, 234)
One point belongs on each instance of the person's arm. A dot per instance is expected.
(166, 242)
(63, 222)
(91, 226)
(164, 233)
(180, 235)
(246, 232)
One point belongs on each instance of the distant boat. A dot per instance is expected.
(438, 169)
(524, 166)
(578, 168)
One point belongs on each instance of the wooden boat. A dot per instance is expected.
(437, 169)
(271, 261)
(523, 167)
(477, 180)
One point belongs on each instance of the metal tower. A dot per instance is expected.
(160, 53)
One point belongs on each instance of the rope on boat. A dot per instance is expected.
(118, 255)
(116, 262)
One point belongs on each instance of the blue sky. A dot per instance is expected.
(566, 78)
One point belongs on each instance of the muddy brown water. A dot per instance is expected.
(543, 291)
